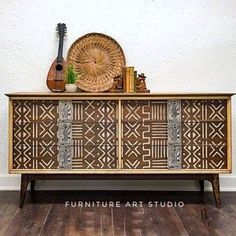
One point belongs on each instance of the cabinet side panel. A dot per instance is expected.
(35, 134)
(10, 135)
(229, 134)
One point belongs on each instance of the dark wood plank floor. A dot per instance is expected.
(45, 214)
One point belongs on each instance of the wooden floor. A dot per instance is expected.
(46, 214)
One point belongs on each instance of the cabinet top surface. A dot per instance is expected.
(113, 95)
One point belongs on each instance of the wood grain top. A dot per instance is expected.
(117, 95)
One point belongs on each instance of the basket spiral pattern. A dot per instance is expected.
(97, 58)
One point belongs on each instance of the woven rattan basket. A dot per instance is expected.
(97, 58)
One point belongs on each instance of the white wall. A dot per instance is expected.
(182, 46)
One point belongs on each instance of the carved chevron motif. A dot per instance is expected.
(34, 136)
(100, 135)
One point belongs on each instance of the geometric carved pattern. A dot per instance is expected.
(144, 134)
(174, 133)
(94, 132)
(187, 134)
(35, 134)
(204, 134)
(64, 134)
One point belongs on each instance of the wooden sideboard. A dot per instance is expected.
(119, 136)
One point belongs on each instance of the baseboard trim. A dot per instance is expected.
(12, 182)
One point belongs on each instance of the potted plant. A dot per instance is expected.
(71, 77)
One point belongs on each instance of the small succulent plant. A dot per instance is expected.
(71, 75)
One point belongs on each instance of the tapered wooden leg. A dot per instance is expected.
(201, 183)
(32, 187)
(23, 189)
(216, 189)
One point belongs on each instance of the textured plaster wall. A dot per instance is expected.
(182, 46)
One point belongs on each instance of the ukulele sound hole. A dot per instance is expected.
(59, 67)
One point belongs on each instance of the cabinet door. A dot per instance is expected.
(144, 134)
(64, 135)
(35, 134)
(174, 134)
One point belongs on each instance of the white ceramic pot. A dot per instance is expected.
(71, 88)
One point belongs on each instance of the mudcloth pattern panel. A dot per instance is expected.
(94, 134)
(35, 134)
(204, 134)
(187, 134)
(144, 134)
(155, 134)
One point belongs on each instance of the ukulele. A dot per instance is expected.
(56, 74)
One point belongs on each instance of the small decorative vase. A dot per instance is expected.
(71, 88)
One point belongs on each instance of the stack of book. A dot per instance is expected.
(129, 79)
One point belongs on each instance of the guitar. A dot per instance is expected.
(56, 74)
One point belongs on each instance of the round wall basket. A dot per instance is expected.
(97, 58)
